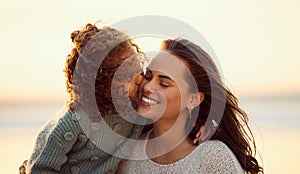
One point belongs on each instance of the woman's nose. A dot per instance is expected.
(149, 86)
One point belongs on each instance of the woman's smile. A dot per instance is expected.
(148, 101)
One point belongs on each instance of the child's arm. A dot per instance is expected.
(52, 146)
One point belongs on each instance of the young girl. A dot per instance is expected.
(64, 145)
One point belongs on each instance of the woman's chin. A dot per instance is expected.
(143, 112)
(149, 114)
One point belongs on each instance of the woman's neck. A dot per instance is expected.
(173, 143)
(170, 131)
(162, 125)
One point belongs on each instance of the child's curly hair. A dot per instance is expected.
(90, 44)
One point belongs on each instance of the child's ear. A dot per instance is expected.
(196, 99)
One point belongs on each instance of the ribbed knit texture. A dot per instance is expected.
(209, 157)
(62, 146)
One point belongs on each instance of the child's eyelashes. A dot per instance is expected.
(147, 77)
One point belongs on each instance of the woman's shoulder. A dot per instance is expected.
(216, 148)
(214, 145)
(138, 147)
(218, 156)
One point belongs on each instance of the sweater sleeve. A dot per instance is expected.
(52, 145)
(221, 160)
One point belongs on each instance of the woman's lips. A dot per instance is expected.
(148, 101)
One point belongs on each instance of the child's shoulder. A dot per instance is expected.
(66, 120)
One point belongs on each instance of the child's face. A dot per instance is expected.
(124, 83)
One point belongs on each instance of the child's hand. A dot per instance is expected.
(198, 136)
(203, 134)
(22, 169)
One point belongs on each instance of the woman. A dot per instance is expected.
(180, 98)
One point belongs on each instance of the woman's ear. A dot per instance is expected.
(196, 99)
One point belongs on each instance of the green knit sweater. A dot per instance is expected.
(63, 147)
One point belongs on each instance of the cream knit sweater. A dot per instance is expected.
(209, 157)
(63, 147)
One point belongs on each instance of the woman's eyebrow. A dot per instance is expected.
(165, 77)
(160, 76)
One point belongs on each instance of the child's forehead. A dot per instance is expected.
(130, 65)
(122, 56)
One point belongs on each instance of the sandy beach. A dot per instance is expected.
(279, 150)
(16, 145)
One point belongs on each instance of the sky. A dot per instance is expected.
(256, 42)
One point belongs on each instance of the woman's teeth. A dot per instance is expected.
(147, 100)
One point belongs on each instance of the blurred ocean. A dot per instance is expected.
(27, 114)
(264, 112)
(275, 120)
(280, 113)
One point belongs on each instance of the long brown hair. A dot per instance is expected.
(233, 129)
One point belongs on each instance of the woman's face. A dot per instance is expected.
(163, 90)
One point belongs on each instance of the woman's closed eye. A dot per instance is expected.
(164, 84)
(163, 80)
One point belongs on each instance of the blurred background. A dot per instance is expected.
(256, 42)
